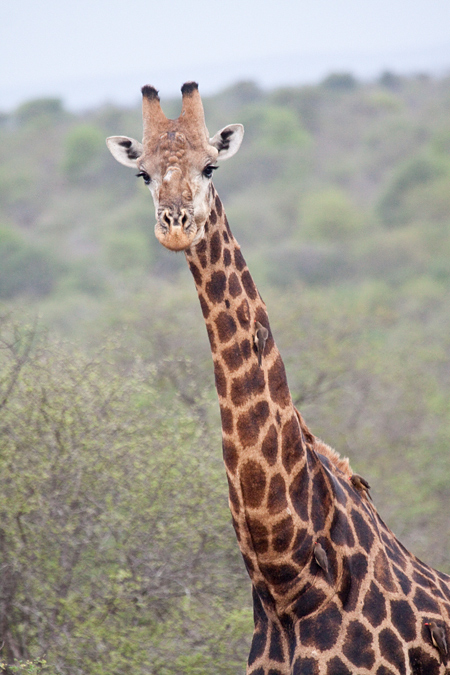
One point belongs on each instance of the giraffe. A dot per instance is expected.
(334, 591)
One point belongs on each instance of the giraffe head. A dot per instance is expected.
(176, 160)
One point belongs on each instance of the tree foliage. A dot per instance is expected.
(116, 549)
(343, 157)
(107, 520)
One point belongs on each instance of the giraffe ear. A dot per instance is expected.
(126, 150)
(228, 140)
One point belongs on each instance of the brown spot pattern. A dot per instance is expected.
(249, 423)
(321, 501)
(276, 651)
(340, 531)
(212, 339)
(291, 447)
(226, 327)
(195, 273)
(234, 500)
(249, 285)
(247, 385)
(230, 455)
(322, 631)
(243, 313)
(391, 649)
(358, 645)
(305, 666)
(269, 447)
(374, 608)
(234, 285)
(215, 248)
(221, 380)
(215, 287)
(381, 572)
(363, 531)
(312, 494)
(253, 481)
(278, 386)
(302, 547)
(422, 663)
(227, 419)
(201, 253)
(248, 563)
(276, 500)
(228, 228)
(403, 619)
(282, 535)
(246, 349)
(308, 602)
(204, 306)
(337, 667)
(239, 260)
(299, 491)
(279, 575)
(233, 357)
(425, 602)
(235, 525)
(259, 535)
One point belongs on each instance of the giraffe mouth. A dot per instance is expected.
(175, 230)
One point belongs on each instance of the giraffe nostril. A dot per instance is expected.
(184, 219)
(166, 219)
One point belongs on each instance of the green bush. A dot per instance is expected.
(390, 80)
(329, 215)
(40, 110)
(25, 268)
(84, 145)
(128, 251)
(340, 82)
(117, 549)
(397, 206)
(275, 127)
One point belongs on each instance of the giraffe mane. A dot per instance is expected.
(342, 463)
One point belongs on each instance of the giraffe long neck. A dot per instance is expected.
(271, 470)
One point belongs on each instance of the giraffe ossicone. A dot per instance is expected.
(291, 495)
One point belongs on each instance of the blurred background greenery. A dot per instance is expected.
(117, 552)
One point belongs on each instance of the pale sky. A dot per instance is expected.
(90, 52)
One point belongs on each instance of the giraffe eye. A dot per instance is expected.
(208, 170)
(145, 176)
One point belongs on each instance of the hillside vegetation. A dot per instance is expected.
(116, 549)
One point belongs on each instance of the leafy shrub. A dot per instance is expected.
(306, 101)
(313, 264)
(340, 82)
(117, 549)
(328, 214)
(25, 268)
(275, 127)
(390, 80)
(40, 109)
(128, 251)
(84, 145)
(396, 206)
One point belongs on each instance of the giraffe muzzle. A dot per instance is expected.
(175, 228)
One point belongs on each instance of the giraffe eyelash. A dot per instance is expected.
(145, 176)
(208, 170)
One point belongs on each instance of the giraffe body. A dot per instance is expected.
(287, 489)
